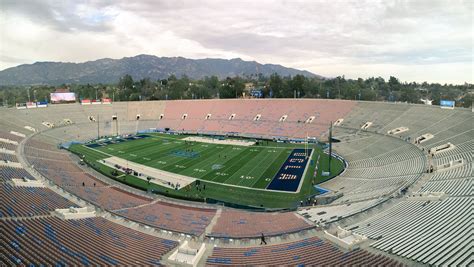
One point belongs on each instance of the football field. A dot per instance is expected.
(262, 167)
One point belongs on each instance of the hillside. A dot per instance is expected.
(110, 70)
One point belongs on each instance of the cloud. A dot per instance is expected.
(355, 38)
(65, 16)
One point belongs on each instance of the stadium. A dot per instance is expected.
(236, 182)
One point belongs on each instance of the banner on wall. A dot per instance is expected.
(21, 105)
(447, 104)
(30, 104)
(62, 97)
(256, 93)
(42, 104)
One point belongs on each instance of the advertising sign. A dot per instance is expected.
(42, 104)
(447, 104)
(62, 97)
(30, 104)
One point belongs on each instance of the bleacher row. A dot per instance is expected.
(8, 157)
(311, 251)
(29, 201)
(457, 187)
(431, 232)
(456, 173)
(238, 224)
(402, 152)
(171, 217)
(378, 166)
(7, 150)
(298, 111)
(51, 241)
(8, 173)
(326, 214)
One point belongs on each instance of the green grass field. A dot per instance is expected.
(220, 167)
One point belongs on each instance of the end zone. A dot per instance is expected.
(292, 172)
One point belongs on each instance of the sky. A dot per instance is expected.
(417, 40)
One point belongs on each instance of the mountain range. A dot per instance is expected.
(142, 66)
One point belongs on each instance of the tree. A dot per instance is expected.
(232, 88)
(296, 84)
(276, 85)
(177, 87)
(126, 82)
(466, 100)
(211, 84)
(394, 84)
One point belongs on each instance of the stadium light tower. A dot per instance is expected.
(330, 148)
(98, 126)
(306, 145)
(114, 118)
(136, 126)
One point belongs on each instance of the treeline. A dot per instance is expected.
(275, 86)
